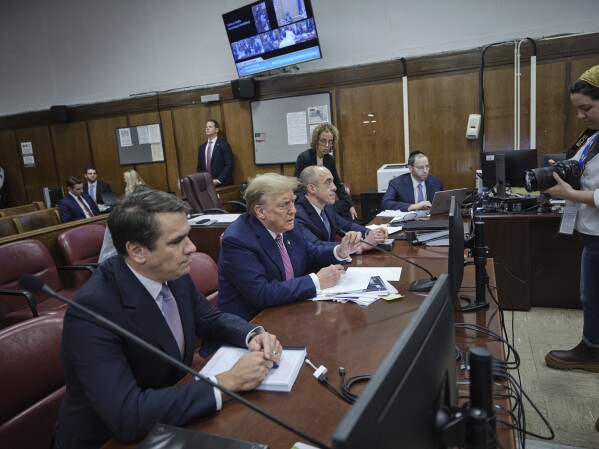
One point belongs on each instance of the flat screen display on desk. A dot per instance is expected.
(270, 34)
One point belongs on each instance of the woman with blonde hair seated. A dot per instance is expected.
(132, 180)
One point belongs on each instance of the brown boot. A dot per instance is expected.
(581, 357)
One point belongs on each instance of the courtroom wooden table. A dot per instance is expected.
(335, 335)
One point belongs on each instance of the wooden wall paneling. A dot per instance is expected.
(371, 132)
(188, 128)
(44, 174)
(499, 109)
(105, 153)
(154, 173)
(10, 161)
(550, 108)
(71, 149)
(439, 107)
(170, 152)
(237, 117)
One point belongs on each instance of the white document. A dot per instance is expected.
(297, 130)
(386, 273)
(218, 218)
(277, 379)
(390, 229)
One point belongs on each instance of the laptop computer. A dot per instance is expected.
(109, 198)
(442, 200)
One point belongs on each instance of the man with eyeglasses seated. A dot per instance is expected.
(324, 137)
(414, 190)
(264, 260)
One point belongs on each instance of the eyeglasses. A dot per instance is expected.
(423, 167)
(326, 143)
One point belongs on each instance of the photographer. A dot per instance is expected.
(584, 94)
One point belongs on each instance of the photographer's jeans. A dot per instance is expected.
(589, 289)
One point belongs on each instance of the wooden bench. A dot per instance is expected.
(31, 221)
(8, 227)
(17, 210)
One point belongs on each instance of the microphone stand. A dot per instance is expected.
(419, 285)
(33, 284)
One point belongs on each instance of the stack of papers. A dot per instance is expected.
(281, 378)
(399, 216)
(362, 285)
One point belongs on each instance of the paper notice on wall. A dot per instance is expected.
(297, 131)
(125, 137)
(318, 114)
(157, 153)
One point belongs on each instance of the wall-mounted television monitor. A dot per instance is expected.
(503, 169)
(271, 34)
(399, 405)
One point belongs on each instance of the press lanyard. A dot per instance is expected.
(587, 147)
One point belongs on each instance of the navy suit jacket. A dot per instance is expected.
(221, 166)
(313, 227)
(70, 210)
(400, 193)
(114, 387)
(251, 275)
(101, 187)
(307, 158)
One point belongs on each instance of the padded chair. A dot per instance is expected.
(204, 272)
(347, 188)
(16, 305)
(36, 220)
(81, 246)
(202, 196)
(32, 382)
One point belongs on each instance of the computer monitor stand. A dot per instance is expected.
(479, 254)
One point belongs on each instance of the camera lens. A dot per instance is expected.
(539, 179)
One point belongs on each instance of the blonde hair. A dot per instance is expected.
(132, 180)
(266, 185)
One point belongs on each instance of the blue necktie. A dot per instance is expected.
(327, 224)
(420, 195)
(92, 191)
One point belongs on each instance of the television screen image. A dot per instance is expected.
(271, 34)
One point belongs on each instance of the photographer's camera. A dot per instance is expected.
(541, 178)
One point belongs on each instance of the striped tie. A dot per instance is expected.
(285, 257)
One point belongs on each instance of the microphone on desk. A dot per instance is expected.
(419, 285)
(34, 285)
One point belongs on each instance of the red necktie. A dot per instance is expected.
(87, 209)
(285, 257)
(208, 156)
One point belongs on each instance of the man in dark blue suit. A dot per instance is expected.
(316, 214)
(114, 388)
(414, 190)
(77, 204)
(215, 156)
(264, 259)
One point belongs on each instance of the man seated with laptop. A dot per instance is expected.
(415, 190)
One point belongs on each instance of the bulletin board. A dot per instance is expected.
(282, 126)
(140, 144)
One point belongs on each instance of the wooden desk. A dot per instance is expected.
(207, 239)
(348, 335)
(535, 265)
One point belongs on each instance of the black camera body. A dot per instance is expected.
(542, 178)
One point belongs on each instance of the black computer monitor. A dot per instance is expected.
(503, 169)
(399, 405)
(455, 259)
(555, 157)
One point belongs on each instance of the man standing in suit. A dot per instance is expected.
(76, 205)
(414, 190)
(316, 215)
(114, 388)
(215, 157)
(94, 187)
(264, 259)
